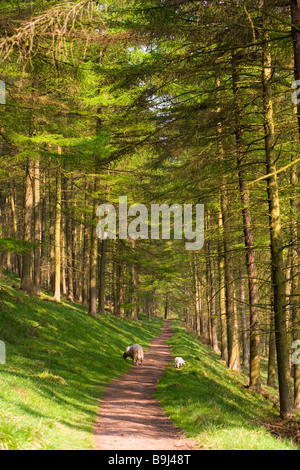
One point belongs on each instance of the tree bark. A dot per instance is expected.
(37, 229)
(243, 319)
(272, 354)
(57, 239)
(102, 277)
(233, 360)
(69, 242)
(28, 213)
(15, 224)
(85, 257)
(166, 305)
(197, 293)
(255, 382)
(277, 264)
(232, 333)
(43, 231)
(295, 16)
(93, 259)
(63, 254)
(51, 228)
(134, 315)
(295, 290)
(211, 287)
(222, 294)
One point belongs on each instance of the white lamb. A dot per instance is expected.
(178, 361)
(135, 351)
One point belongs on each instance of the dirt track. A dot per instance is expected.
(130, 417)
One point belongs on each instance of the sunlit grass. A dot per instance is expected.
(211, 403)
(59, 361)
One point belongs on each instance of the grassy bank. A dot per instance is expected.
(210, 402)
(59, 360)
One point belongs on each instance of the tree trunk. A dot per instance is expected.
(28, 212)
(166, 305)
(222, 294)
(134, 296)
(120, 276)
(277, 264)
(153, 305)
(232, 333)
(15, 225)
(272, 354)
(295, 16)
(211, 287)
(74, 248)
(51, 228)
(93, 259)
(243, 319)
(63, 255)
(69, 242)
(213, 317)
(295, 291)
(255, 382)
(57, 247)
(43, 231)
(197, 293)
(102, 277)
(37, 229)
(1, 231)
(85, 257)
(233, 360)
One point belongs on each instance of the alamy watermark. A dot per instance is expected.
(2, 92)
(296, 353)
(188, 222)
(2, 353)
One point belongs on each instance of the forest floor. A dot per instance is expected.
(130, 417)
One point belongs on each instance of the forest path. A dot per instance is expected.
(130, 417)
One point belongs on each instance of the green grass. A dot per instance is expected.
(211, 403)
(59, 361)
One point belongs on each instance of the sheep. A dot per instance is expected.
(178, 361)
(135, 351)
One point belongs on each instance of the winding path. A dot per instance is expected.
(130, 417)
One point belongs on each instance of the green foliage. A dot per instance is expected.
(12, 245)
(137, 97)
